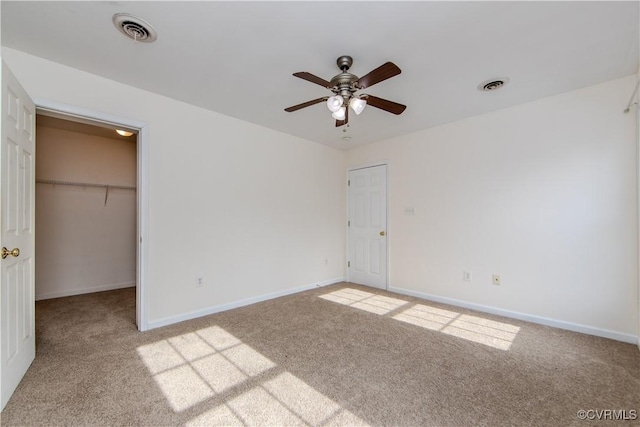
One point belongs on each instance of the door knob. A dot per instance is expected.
(15, 252)
(382, 233)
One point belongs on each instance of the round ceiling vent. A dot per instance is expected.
(493, 84)
(135, 28)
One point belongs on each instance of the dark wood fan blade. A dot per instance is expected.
(306, 104)
(383, 72)
(313, 79)
(386, 105)
(345, 121)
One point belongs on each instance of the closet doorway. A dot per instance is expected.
(88, 235)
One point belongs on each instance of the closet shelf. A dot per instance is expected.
(107, 187)
(84, 184)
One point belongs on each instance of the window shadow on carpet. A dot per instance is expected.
(233, 384)
(491, 333)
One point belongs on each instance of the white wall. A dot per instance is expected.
(83, 245)
(543, 194)
(255, 211)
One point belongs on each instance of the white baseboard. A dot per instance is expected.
(236, 304)
(575, 327)
(72, 292)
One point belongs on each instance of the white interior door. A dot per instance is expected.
(367, 226)
(17, 307)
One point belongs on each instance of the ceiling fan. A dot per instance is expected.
(344, 87)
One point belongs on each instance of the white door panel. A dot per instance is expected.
(17, 296)
(367, 262)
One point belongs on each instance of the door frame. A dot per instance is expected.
(79, 114)
(347, 228)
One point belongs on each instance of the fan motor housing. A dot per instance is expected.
(343, 83)
(344, 79)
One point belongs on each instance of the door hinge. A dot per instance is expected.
(349, 223)
(349, 183)
(348, 263)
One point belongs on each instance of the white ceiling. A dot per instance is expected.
(237, 58)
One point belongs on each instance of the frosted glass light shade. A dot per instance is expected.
(334, 103)
(357, 105)
(340, 114)
(124, 132)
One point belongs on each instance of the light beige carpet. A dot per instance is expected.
(338, 355)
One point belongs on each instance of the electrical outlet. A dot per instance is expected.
(199, 281)
(466, 276)
(497, 280)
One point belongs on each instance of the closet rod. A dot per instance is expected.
(84, 184)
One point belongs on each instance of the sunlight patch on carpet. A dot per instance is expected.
(183, 387)
(310, 405)
(377, 304)
(473, 328)
(283, 400)
(196, 367)
(219, 416)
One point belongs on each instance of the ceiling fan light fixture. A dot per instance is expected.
(344, 87)
(334, 103)
(340, 114)
(357, 105)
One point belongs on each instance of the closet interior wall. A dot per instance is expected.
(85, 209)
